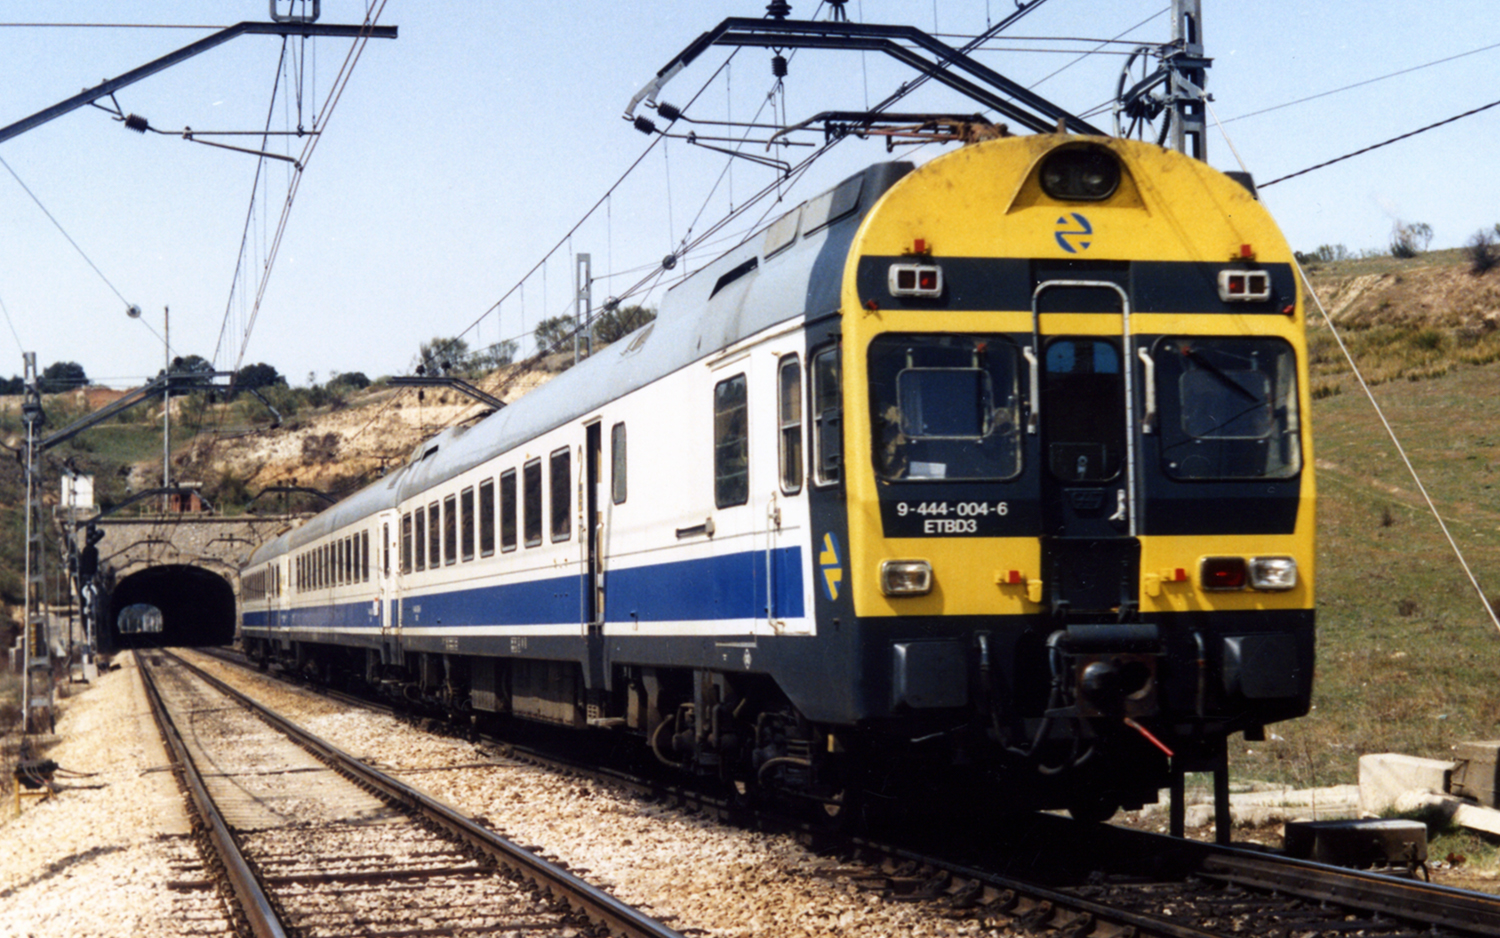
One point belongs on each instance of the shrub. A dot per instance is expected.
(1483, 255)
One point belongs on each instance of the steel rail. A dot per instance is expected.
(1463, 911)
(592, 901)
(253, 902)
(1436, 905)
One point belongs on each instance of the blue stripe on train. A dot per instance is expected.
(729, 587)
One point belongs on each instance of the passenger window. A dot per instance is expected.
(531, 485)
(420, 522)
(789, 408)
(562, 503)
(466, 522)
(486, 517)
(731, 444)
(945, 406)
(450, 529)
(828, 441)
(364, 556)
(617, 463)
(435, 535)
(1228, 408)
(406, 543)
(508, 510)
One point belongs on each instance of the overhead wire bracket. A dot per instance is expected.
(987, 87)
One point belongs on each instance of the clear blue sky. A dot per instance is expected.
(463, 150)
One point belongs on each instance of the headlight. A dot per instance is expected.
(1080, 174)
(1273, 573)
(905, 577)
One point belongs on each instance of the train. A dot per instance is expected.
(991, 475)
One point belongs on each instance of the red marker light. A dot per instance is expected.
(919, 246)
(1222, 573)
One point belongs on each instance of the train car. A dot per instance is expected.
(994, 470)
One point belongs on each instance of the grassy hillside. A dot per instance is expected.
(1408, 655)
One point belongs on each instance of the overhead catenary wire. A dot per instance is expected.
(64, 231)
(1383, 143)
(1361, 84)
(340, 82)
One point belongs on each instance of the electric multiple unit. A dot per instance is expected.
(995, 470)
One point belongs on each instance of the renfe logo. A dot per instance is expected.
(1071, 239)
(831, 565)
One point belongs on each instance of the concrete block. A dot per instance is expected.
(1477, 771)
(1385, 776)
(1478, 818)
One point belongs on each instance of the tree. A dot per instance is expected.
(1409, 240)
(190, 372)
(439, 356)
(493, 356)
(259, 375)
(552, 332)
(62, 376)
(614, 324)
(13, 385)
(354, 380)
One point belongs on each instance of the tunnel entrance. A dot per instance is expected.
(195, 606)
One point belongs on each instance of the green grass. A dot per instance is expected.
(1407, 653)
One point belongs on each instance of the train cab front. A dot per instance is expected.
(1079, 486)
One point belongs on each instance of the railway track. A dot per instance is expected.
(309, 841)
(1047, 874)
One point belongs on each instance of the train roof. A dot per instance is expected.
(794, 268)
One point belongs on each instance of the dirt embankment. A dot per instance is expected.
(1434, 294)
(335, 450)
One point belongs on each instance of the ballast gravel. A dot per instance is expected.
(93, 861)
(96, 859)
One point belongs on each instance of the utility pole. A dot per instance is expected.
(36, 649)
(166, 407)
(583, 305)
(1187, 75)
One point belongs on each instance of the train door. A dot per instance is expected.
(1082, 407)
(591, 587)
(786, 511)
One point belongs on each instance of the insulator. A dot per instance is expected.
(668, 111)
(137, 123)
(611, 304)
(668, 262)
(778, 66)
(645, 125)
(778, 9)
(836, 12)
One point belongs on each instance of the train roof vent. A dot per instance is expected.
(782, 233)
(734, 274)
(832, 205)
(422, 452)
(640, 339)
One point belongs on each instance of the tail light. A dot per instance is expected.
(922, 280)
(1244, 286)
(1222, 573)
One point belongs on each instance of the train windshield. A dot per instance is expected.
(945, 406)
(1228, 408)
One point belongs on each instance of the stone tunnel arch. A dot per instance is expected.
(197, 608)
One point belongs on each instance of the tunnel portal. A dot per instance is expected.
(197, 608)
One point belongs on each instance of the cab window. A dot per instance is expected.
(1228, 408)
(945, 406)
